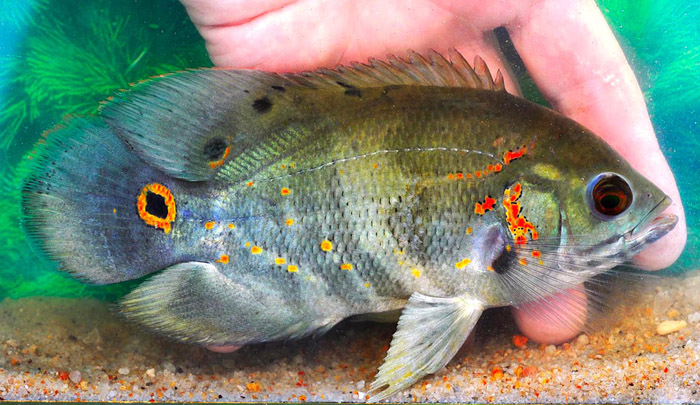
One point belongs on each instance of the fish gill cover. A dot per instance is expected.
(111, 44)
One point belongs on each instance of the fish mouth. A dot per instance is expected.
(647, 232)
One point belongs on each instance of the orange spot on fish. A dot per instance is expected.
(366, 285)
(490, 268)
(469, 231)
(510, 156)
(469, 175)
(292, 268)
(508, 248)
(247, 244)
(518, 225)
(460, 176)
(326, 246)
(223, 259)
(536, 254)
(220, 162)
(462, 263)
(114, 210)
(231, 226)
(289, 222)
(497, 168)
(280, 261)
(487, 205)
(209, 225)
(450, 176)
(285, 191)
(346, 266)
(250, 184)
(523, 262)
(416, 273)
(374, 166)
(477, 174)
(256, 250)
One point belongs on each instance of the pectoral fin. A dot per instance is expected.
(430, 332)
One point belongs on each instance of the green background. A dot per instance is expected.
(39, 86)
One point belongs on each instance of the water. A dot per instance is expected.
(60, 58)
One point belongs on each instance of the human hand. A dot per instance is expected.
(566, 45)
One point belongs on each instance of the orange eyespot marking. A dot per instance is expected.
(469, 231)
(346, 266)
(156, 206)
(497, 168)
(523, 262)
(510, 156)
(289, 222)
(250, 183)
(536, 254)
(460, 176)
(256, 250)
(462, 263)
(326, 246)
(416, 273)
(518, 225)
(280, 261)
(209, 225)
(285, 191)
(220, 162)
(223, 259)
(231, 226)
(490, 268)
(488, 204)
(292, 268)
(477, 174)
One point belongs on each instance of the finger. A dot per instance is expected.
(223, 349)
(555, 319)
(575, 60)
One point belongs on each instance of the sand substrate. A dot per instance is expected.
(79, 349)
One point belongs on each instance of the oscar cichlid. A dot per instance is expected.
(272, 206)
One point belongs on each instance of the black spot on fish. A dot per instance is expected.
(350, 90)
(279, 88)
(505, 260)
(214, 149)
(155, 205)
(262, 105)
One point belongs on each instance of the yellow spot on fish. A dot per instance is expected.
(292, 268)
(346, 266)
(469, 231)
(366, 285)
(462, 263)
(280, 261)
(285, 191)
(292, 165)
(400, 262)
(210, 225)
(546, 171)
(342, 171)
(523, 262)
(247, 244)
(508, 248)
(540, 262)
(326, 246)
(114, 210)
(416, 273)
(256, 250)
(223, 259)
(231, 226)
(283, 166)
(289, 222)
(374, 166)
(490, 268)
(450, 176)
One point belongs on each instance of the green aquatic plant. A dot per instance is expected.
(17, 13)
(74, 57)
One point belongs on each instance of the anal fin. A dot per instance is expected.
(430, 332)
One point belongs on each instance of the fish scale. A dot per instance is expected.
(270, 206)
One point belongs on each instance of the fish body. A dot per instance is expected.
(274, 206)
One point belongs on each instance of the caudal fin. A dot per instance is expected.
(80, 204)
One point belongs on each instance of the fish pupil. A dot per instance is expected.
(155, 205)
(610, 201)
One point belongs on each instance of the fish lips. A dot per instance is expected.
(647, 232)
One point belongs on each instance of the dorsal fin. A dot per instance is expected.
(417, 70)
(190, 124)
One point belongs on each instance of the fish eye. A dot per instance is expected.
(609, 195)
